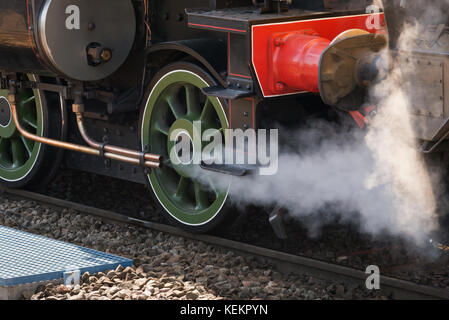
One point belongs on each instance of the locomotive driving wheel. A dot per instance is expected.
(175, 102)
(25, 163)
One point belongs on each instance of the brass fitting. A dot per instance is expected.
(78, 108)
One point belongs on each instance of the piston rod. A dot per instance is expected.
(76, 147)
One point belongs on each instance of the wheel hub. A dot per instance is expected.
(5, 112)
(182, 147)
(7, 126)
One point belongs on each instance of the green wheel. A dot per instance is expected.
(174, 103)
(24, 163)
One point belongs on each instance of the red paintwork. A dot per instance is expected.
(358, 118)
(295, 58)
(301, 65)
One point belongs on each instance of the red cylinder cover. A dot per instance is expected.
(295, 61)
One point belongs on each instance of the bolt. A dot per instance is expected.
(245, 113)
(106, 55)
(278, 41)
(280, 87)
(245, 126)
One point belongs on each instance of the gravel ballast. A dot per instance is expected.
(165, 266)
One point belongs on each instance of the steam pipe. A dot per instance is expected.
(72, 146)
(109, 148)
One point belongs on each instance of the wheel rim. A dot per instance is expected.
(17, 154)
(174, 103)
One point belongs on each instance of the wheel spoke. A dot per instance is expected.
(28, 100)
(18, 153)
(183, 187)
(207, 111)
(28, 145)
(214, 189)
(200, 196)
(4, 144)
(29, 120)
(161, 129)
(192, 100)
(169, 174)
(5, 155)
(175, 106)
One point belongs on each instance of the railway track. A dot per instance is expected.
(283, 262)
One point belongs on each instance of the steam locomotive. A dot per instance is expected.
(102, 84)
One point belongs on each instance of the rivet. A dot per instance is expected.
(280, 86)
(278, 42)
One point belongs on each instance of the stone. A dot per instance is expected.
(340, 291)
(192, 295)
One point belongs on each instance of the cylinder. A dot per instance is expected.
(296, 61)
(76, 39)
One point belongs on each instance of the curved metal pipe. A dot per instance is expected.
(72, 146)
(110, 148)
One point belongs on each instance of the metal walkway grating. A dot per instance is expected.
(28, 258)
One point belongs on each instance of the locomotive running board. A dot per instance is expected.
(226, 93)
(233, 170)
